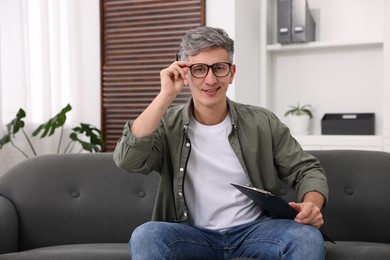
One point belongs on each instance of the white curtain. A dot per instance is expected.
(38, 68)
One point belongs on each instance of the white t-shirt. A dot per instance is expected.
(212, 201)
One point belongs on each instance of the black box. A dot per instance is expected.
(348, 124)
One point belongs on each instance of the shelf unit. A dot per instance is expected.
(346, 70)
(279, 48)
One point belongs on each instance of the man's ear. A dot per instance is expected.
(232, 73)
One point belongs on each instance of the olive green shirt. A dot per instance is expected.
(260, 140)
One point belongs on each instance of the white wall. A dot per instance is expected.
(247, 36)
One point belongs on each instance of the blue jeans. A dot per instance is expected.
(265, 238)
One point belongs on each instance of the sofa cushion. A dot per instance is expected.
(74, 252)
(345, 250)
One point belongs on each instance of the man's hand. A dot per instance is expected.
(309, 211)
(173, 78)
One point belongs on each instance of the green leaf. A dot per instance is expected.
(55, 122)
(17, 123)
(4, 140)
(93, 134)
(13, 127)
(299, 110)
(73, 136)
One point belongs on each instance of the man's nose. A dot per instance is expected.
(210, 77)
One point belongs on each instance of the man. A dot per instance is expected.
(202, 147)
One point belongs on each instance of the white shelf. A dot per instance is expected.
(346, 70)
(275, 48)
(326, 142)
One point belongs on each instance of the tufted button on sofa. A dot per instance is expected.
(81, 206)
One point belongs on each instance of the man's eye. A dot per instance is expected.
(199, 69)
(219, 68)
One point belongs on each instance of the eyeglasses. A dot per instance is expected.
(220, 69)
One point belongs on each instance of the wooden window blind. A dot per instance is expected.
(139, 38)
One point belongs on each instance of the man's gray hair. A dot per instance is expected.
(203, 38)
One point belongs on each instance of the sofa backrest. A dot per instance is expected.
(85, 198)
(359, 195)
(77, 198)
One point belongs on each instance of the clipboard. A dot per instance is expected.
(274, 205)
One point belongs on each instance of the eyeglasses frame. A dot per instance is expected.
(211, 67)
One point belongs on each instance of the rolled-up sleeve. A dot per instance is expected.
(132, 153)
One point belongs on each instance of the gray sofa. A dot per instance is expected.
(81, 206)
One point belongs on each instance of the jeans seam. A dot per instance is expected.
(274, 241)
(187, 241)
(282, 245)
(169, 245)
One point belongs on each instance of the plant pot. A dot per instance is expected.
(300, 125)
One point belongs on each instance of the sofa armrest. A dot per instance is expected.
(9, 227)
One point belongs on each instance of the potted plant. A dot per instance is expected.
(300, 119)
(87, 136)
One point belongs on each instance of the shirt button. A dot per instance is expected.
(180, 194)
(181, 169)
(185, 214)
(188, 144)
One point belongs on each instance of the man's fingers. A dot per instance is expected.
(308, 213)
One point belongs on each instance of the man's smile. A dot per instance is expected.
(211, 90)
